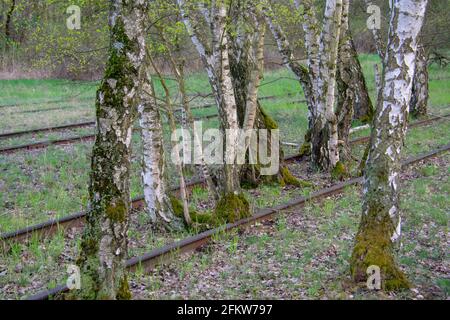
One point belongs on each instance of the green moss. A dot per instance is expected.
(232, 207)
(117, 212)
(373, 246)
(124, 289)
(369, 116)
(196, 217)
(305, 149)
(362, 164)
(339, 172)
(270, 124)
(288, 179)
(177, 206)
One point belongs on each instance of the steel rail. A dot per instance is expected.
(148, 261)
(47, 129)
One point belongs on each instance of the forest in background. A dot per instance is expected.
(36, 43)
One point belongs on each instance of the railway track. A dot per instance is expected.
(31, 103)
(163, 254)
(90, 137)
(50, 227)
(81, 125)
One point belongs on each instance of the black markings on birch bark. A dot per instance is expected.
(419, 98)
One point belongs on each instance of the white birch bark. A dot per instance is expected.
(256, 73)
(216, 62)
(380, 224)
(325, 151)
(156, 193)
(376, 33)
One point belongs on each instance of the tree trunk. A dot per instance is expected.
(353, 98)
(419, 98)
(305, 76)
(380, 224)
(227, 102)
(159, 206)
(232, 204)
(8, 21)
(175, 148)
(354, 79)
(324, 133)
(104, 242)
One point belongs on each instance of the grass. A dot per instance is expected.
(304, 254)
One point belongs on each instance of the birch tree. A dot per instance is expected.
(419, 98)
(324, 131)
(353, 97)
(215, 58)
(247, 37)
(380, 226)
(328, 126)
(104, 242)
(156, 192)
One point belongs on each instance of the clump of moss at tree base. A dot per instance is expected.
(201, 220)
(124, 289)
(269, 123)
(305, 148)
(339, 172)
(177, 207)
(288, 179)
(373, 247)
(232, 207)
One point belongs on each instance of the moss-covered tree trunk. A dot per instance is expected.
(380, 225)
(104, 242)
(419, 98)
